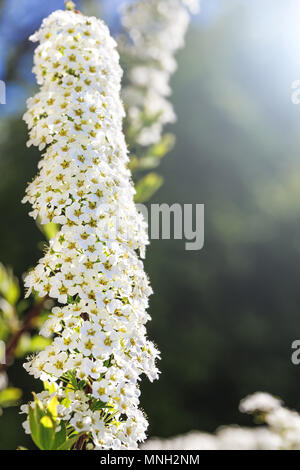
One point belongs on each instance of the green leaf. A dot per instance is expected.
(70, 442)
(10, 396)
(81, 385)
(164, 146)
(42, 426)
(13, 292)
(52, 407)
(7, 310)
(49, 230)
(34, 424)
(60, 437)
(71, 300)
(38, 343)
(147, 186)
(50, 387)
(70, 375)
(47, 432)
(30, 345)
(98, 405)
(151, 158)
(9, 285)
(47, 422)
(22, 306)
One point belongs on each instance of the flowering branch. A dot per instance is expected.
(137, 54)
(92, 267)
(154, 30)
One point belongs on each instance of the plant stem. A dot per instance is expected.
(80, 443)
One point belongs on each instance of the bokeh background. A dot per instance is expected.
(225, 317)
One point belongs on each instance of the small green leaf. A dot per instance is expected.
(52, 407)
(69, 443)
(164, 146)
(81, 385)
(13, 292)
(22, 306)
(30, 345)
(9, 285)
(147, 186)
(10, 396)
(34, 425)
(50, 387)
(47, 432)
(42, 426)
(49, 230)
(60, 437)
(98, 405)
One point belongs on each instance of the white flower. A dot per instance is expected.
(101, 390)
(57, 366)
(259, 402)
(281, 431)
(80, 422)
(51, 326)
(237, 438)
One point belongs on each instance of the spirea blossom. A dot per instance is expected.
(282, 421)
(279, 430)
(91, 267)
(155, 30)
(259, 402)
(227, 438)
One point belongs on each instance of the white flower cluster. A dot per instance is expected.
(281, 421)
(227, 438)
(100, 347)
(155, 30)
(259, 402)
(280, 430)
